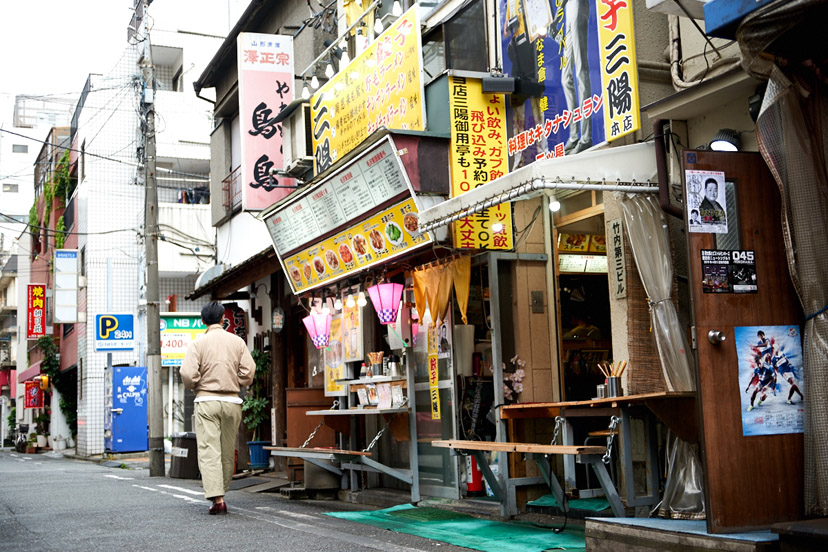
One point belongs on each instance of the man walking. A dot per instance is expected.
(217, 365)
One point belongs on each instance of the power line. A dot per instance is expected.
(64, 232)
(128, 163)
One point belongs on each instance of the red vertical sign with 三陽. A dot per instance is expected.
(35, 311)
(265, 65)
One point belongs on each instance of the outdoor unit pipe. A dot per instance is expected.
(661, 167)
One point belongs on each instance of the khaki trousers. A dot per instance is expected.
(216, 425)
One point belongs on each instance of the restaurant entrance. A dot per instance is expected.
(583, 292)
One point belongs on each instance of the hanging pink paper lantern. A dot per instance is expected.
(319, 328)
(386, 300)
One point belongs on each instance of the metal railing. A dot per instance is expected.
(232, 191)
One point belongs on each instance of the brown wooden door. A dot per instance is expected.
(750, 481)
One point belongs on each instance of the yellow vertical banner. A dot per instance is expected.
(479, 154)
(334, 364)
(433, 372)
(619, 74)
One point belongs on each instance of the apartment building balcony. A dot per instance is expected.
(232, 192)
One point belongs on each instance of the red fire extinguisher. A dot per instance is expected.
(475, 483)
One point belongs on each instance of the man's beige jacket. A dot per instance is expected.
(217, 364)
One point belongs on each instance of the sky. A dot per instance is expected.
(49, 47)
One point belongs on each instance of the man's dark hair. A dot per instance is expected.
(212, 312)
(711, 181)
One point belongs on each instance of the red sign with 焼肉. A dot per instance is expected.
(36, 311)
(34, 395)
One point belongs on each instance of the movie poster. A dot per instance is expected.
(771, 383)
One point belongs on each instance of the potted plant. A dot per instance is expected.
(255, 409)
(31, 444)
(42, 428)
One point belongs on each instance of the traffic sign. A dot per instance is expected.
(114, 332)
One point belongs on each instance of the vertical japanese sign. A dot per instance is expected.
(265, 65)
(478, 155)
(35, 311)
(619, 71)
(382, 87)
(433, 372)
(569, 69)
(66, 286)
(235, 320)
(617, 258)
(34, 395)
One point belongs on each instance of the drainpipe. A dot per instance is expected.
(661, 166)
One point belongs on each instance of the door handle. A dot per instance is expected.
(117, 410)
(715, 337)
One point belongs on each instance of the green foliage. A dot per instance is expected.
(62, 181)
(33, 222)
(12, 419)
(51, 363)
(60, 235)
(255, 405)
(70, 412)
(42, 422)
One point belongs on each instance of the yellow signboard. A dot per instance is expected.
(618, 68)
(381, 87)
(479, 155)
(385, 235)
(433, 372)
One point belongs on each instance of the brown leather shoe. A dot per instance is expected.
(218, 508)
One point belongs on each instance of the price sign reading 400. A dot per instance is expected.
(177, 332)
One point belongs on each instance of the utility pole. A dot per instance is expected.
(156, 409)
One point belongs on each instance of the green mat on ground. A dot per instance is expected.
(464, 530)
(598, 504)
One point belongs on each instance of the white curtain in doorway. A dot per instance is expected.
(650, 244)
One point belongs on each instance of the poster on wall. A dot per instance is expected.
(577, 75)
(352, 347)
(334, 363)
(770, 379)
(728, 271)
(706, 201)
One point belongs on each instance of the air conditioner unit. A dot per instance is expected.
(297, 146)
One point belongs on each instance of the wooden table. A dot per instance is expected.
(676, 410)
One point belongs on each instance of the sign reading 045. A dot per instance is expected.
(114, 332)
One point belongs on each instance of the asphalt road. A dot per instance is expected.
(49, 503)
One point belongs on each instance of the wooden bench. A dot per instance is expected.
(589, 455)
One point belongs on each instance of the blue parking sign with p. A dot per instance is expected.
(114, 332)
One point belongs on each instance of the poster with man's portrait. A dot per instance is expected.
(706, 202)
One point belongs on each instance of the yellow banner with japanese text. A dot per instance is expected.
(619, 74)
(433, 372)
(385, 235)
(381, 87)
(478, 155)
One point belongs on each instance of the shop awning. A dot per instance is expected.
(626, 168)
(243, 274)
(30, 372)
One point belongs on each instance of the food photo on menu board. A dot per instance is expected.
(706, 201)
(573, 242)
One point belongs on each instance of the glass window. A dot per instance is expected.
(20, 148)
(11, 188)
(467, 50)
